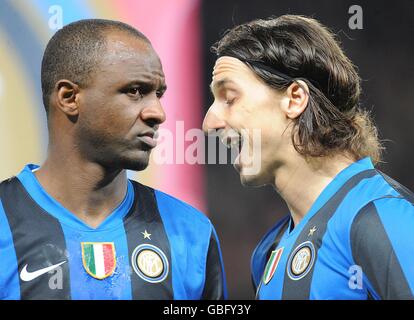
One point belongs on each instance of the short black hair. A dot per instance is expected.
(75, 50)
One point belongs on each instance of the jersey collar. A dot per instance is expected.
(54, 208)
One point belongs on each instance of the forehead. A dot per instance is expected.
(229, 68)
(128, 56)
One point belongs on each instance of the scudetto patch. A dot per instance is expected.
(271, 265)
(99, 259)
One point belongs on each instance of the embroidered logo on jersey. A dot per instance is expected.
(150, 263)
(98, 258)
(301, 260)
(272, 265)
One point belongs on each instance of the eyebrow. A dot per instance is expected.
(148, 84)
(220, 83)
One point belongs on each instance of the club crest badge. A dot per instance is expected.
(99, 259)
(150, 263)
(301, 260)
(271, 265)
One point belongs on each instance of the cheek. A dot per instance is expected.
(109, 114)
(270, 128)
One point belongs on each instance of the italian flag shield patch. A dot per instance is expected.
(272, 265)
(98, 258)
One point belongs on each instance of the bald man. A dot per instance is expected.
(76, 227)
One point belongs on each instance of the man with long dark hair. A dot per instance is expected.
(348, 232)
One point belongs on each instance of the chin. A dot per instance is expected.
(133, 161)
(135, 166)
(252, 180)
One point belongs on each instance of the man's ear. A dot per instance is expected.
(66, 92)
(298, 94)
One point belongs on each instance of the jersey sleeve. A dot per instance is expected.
(382, 246)
(215, 279)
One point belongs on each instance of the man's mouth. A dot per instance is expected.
(231, 138)
(234, 140)
(149, 138)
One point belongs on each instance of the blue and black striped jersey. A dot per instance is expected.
(354, 243)
(152, 246)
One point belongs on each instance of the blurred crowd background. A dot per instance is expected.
(182, 32)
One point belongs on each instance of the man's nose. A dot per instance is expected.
(212, 121)
(153, 113)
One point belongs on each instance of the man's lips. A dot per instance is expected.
(148, 138)
(233, 139)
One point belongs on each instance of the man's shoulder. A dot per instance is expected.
(16, 180)
(180, 207)
(390, 215)
(177, 209)
(401, 191)
(393, 199)
(371, 192)
(7, 184)
(392, 212)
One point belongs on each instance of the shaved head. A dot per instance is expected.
(74, 52)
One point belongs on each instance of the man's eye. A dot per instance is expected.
(134, 91)
(230, 101)
(160, 93)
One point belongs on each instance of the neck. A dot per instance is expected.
(86, 189)
(300, 181)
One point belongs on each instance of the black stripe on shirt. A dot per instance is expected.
(144, 216)
(402, 190)
(39, 242)
(214, 281)
(373, 252)
(300, 289)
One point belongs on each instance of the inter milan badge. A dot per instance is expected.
(271, 265)
(98, 258)
(301, 260)
(150, 263)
